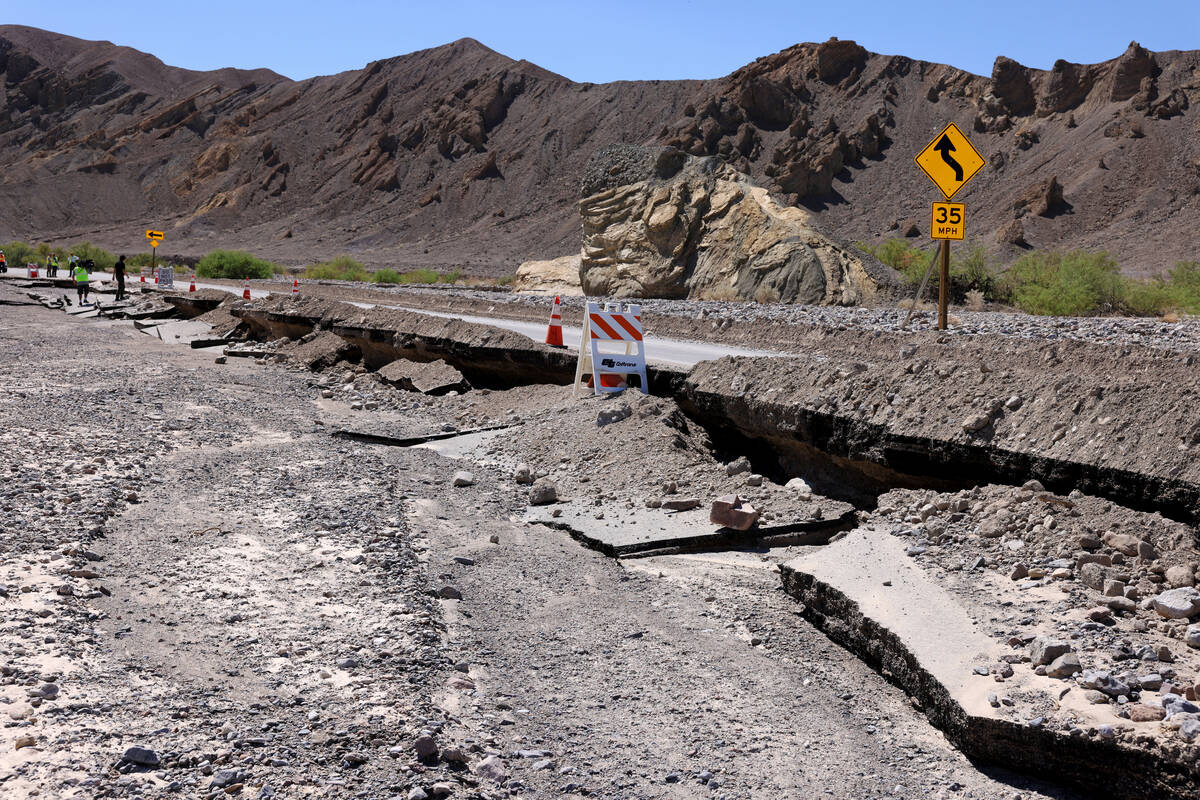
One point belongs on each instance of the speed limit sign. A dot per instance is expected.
(948, 221)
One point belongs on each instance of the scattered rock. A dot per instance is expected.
(464, 478)
(1178, 603)
(1045, 649)
(543, 492)
(141, 756)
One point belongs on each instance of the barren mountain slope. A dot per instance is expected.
(459, 156)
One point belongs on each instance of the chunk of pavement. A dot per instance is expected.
(491, 768)
(449, 593)
(428, 377)
(1044, 649)
(523, 474)
(1064, 666)
(543, 492)
(681, 503)
(616, 413)
(738, 466)
(731, 511)
(1178, 603)
(425, 747)
(322, 352)
(464, 478)
(142, 756)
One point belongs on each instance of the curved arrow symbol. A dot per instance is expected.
(946, 147)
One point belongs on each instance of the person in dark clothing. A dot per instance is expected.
(119, 274)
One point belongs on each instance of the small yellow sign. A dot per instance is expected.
(154, 242)
(950, 160)
(155, 236)
(948, 221)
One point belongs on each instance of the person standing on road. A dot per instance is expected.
(119, 274)
(82, 280)
(3, 262)
(52, 266)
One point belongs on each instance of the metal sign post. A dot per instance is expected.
(155, 237)
(950, 161)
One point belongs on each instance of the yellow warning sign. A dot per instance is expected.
(950, 160)
(948, 221)
(155, 236)
(154, 242)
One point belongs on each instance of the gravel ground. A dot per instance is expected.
(205, 594)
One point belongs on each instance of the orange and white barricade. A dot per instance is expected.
(611, 348)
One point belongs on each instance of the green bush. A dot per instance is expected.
(342, 268)
(429, 276)
(85, 250)
(234, 264)
(18, 254)
(1076, 283)
(386, 276)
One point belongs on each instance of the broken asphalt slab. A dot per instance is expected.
(868, 595)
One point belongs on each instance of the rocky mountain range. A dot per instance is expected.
(461, 157)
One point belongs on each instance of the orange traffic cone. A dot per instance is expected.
(554, 332)
(246, 290)
(295, 288)
(156, 277)
(192, 288)
(143, 276)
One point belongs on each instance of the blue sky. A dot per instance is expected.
(615, 40)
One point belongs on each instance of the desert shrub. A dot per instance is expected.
(1075, 283)
(972, 270)
(386, 276)
(505, 280)
(766, 294)
(85, 250)
(724, 293)
(902, 256)
(233, 264)
(142, 260)
(341, 268)
(18, 254)
(975, 300)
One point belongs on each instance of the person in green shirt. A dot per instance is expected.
(82, 280)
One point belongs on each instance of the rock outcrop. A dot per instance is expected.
(556, 276)
(660, 223)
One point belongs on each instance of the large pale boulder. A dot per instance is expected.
(660, 223)
(557, 276)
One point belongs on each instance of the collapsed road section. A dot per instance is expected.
(1041, 626)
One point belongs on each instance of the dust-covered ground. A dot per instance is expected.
(206, 594)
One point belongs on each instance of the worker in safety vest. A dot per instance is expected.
(52, 266)
(82, 279)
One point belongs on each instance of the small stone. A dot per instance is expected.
(347, 663)
(1092, 576)
(737, 467)
(453, 755)
(1114, 588)
(1178, 603)
(1180, 576)
(23, 742)
(226, 777)
(1143, 713)
(1121, 605)
(1019, 571)
(976, 422)
(523, 474)
(1064, 666)
(464, 478)
(425, 747)
(142, 756)
(754, 479)
(449, 593)
(681, 504)
(1094, 697)
(1102, 615)
(1192, 637)
(543, 492)
(355, 758)
(326, 394)
(1044, 649)
(1151, 682)
(220, 360)
(491, 768)
(417, 793)
(1122, 543)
